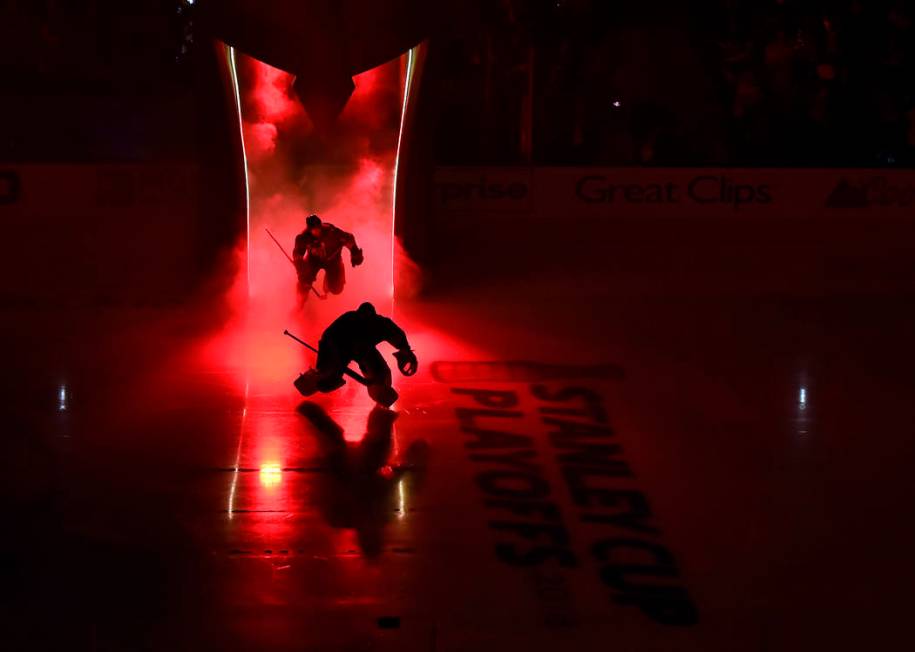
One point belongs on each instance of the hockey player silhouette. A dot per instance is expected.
(352, 337)
(320, 246)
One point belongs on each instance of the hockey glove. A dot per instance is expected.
(406, 362)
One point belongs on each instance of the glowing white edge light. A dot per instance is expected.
(402, 503)
(241, 436)
(244, 155)
(62, 398)
(403, 116)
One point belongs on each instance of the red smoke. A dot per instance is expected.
(271, 92)
(345, 176)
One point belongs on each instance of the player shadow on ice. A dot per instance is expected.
(362, 490)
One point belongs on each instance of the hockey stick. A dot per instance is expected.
(349, 372)
(289, 258)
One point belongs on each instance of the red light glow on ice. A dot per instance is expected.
(271, 474)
